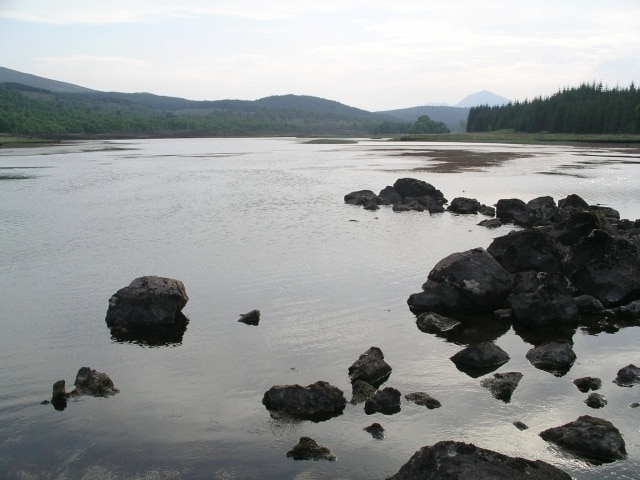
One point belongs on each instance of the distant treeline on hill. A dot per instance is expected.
(587, 109)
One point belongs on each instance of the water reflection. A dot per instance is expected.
(152, 336)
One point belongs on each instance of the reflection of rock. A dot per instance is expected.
(590, 437)
(385, 401)
(554, 357)
(152, 336)
(370, 367)
(376, 431)
(628, 376)
(502, 385)
(318, 401)
(595, 400)
(422, 398)
(480, 358)
(309, 449)
(250, 318)
(585, 384)
(449, 460)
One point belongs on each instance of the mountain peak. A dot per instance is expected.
(483, 97)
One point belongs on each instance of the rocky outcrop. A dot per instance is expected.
(318, 401)
(532, 249)
(370, 367)
(590, 437)
(480, 358)
(88, 382)
(554, 357)
(406, 194)
(309, 449)
(385, 401)
(450, 460)
(502, 385)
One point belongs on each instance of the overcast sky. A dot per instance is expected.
(375, 55)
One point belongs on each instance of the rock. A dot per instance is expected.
(448, 460)
(520, 425)
(595, 400)
(572, 226)
(318, 401)
(590, 437)
(370, 367)
(542, 299)
(431, 322)
(490, 223)
(361, 390)
(371, 205)
(480, 358)
(628, 376)
(634, 405)
(502, 385)
(439, 297)
(385, 401)
(553, 357)
(514, 210)
(376, 431)
(148, 301)
(477, 275)
(585, 384)
(464, 206)
(573, 201)
(629, 311)
(250, 318)
(606, 267)
(532, 249)
(389, 195)
(59, 395)
(544, 210)
(91, 382)
(487, 211)
(412, 187)
(589, 305)
(308, 449)
(422, 398)
(360, 197)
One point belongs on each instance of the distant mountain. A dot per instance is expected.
(12, 76)
(482, 98)
(452, 117)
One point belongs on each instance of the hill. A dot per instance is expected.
(482, 98)
(12, 76)
(453, 117)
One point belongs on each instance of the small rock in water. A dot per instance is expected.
(92, 382)
(385, 401)
(422, 398)
(502, 385)
(250, 318)
(628, 376)
(309, 449)
(520, 425)
(585, 384)
(595, 400)
(376, 430)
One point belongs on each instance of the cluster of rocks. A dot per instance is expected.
(88, 382)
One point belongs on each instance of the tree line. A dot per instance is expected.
(587, 109)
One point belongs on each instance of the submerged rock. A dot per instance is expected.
(502, 385)
(376, 430)
(628, 376)
(553, 357)
(370, 367)
(424, 399)
(250, 318)
(309, 449)
(450, 460)
(590, 437)
(318, 401)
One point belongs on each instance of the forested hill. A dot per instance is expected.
(587, 109)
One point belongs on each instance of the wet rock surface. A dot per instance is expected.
(590, 437)
(318, 401)
(424, 399)
(88, 382)
(502, 385)
(309, 449)
(585, 384)
(596, 400)
(628, 376)
(480, 358)
(376, 430)
(370, 367)
(385, 401)
(450, 460)
(553, 357)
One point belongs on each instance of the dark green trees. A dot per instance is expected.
(424, 124)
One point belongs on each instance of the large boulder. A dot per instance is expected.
(412, 187)
(148, 301)
(590, 437)
(542, 299)
(628, 376)
(439, 298)
(531, 249)
(318, 401)
(544, 210)
(424, 399)
(514, 210)
(464, 206)
(370, 367)
(475, 274)
(480, 358)
(448, 460)
(553, 357)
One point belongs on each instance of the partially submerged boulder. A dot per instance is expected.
(424, 399)
(431, 322)
(590, 437)
(480, 358)
(88, 382)
(370, 367)
(553, 357)
(628, 376)
(308, 449)
(316, 402)
(448, 460)
(385, 401)
(376, 430)
(596, 400)
(585, 384)
(361, 390)
(502, 385)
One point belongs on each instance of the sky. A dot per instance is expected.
(369, 54)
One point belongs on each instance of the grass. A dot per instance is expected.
(12, 141)
(511, 136)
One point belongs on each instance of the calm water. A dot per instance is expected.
(261, 223)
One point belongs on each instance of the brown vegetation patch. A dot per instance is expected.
(455, 161)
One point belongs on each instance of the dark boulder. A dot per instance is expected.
(250, 318)
(573, 201)
(585, 384)
(520, 425)
(412, 187)
(371, 206)
(148, 302)
(555, 357)
(309, 449)
(477, 275)
(59, 395)
(589, 305)
(389, 195)
(370, 367)
(424, 399)
(376, 430)
(595, 400)
(94, 383)
(606, 267)
(464, 206)
(628, 376)
(531, 249)
(385, 401)
(441, 298)
(361, 197)
(542, 299)
(448, 460)
(431, 322)
(318, 401)
(480, 358)
(514, 210)
(590, 437)
(490, 223)
(502, 385)
(487, 211)
(360, 391)
(574, 225)
(629, 311)
(544, 210)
